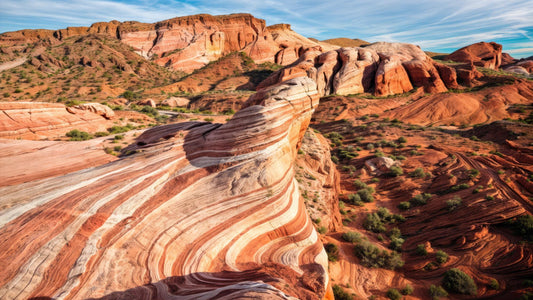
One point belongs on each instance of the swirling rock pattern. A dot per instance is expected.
(201, 211)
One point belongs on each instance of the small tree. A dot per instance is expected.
(458, 281)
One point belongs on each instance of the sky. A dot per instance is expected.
(436, 25)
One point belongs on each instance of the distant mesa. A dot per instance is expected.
(347, 42)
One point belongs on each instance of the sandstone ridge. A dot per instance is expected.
(201, 211)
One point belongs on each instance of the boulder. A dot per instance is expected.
(147, 102)
(380, 165)
(486, 55)
(175, 102)
(97, 108)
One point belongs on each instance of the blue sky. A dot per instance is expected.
(437, 25)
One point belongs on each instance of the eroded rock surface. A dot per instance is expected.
(381, 68)
(201, 211)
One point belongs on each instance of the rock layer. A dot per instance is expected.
(34, 120)
(201, 211)
(382, 68)
(487, 55)
(190, 42)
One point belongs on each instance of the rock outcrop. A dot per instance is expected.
(190, 42)
(201, 211)
(486, 55)
(382, 68)
(35, 120)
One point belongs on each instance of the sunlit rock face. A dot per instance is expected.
(380, 68)
(200, 211)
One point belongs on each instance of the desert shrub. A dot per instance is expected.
(395, 171)
(395, 232)
(441, 257)
(523, 226)
(454, 203)
(365, 195)
(437, 291)
(394, 294)
(340, 294)
(402, 140)
(352, 237)
(373, 223)
(100, 134)
(493, 284)
(396, 243)
(354, 198)
(322, 230)
(372, 257)
(407, 290)
(77, 135)
(117, 148)
(120, 129)
(335, 159)
(418, 173)
(131, 96)
(459, 282)
(421, 250)
(473, 173)
(359, 184)
(370, 146)
(404, 205)
(489, 197)
(420, 199)
(150, 111)
(333, 252)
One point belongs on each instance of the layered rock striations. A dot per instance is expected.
(35, 120)
(190, 42)
(201, 211)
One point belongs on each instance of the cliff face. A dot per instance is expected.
(203, 210)
(382, 68)
(188, 43)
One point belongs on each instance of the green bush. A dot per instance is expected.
(322, 230)
(421, 250)
(402, 140)
(359, 184)
(396, 243)
(395, 232)
(420, 199)
(352, 237)
(441, 257)
(437, 291)
(407, 290)
(395, 171)
(372, 257)
(418, 173)
(354, 198)
(404, 205)
(523, 226)
(76, 135)
(373, 223)
(333, 252)
(340, 294)
(366, 195)
(493, 284)
(454, 203)
(459, 282)
(394, 294)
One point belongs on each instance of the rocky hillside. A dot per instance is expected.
(185, 43)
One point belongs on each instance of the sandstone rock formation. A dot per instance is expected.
(382, 68)
(175, 101)
(34, 120)
(201, 211)
(190, 42)
(487, 55)
(97, 108)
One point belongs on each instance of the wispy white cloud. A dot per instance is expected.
(434, 25)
